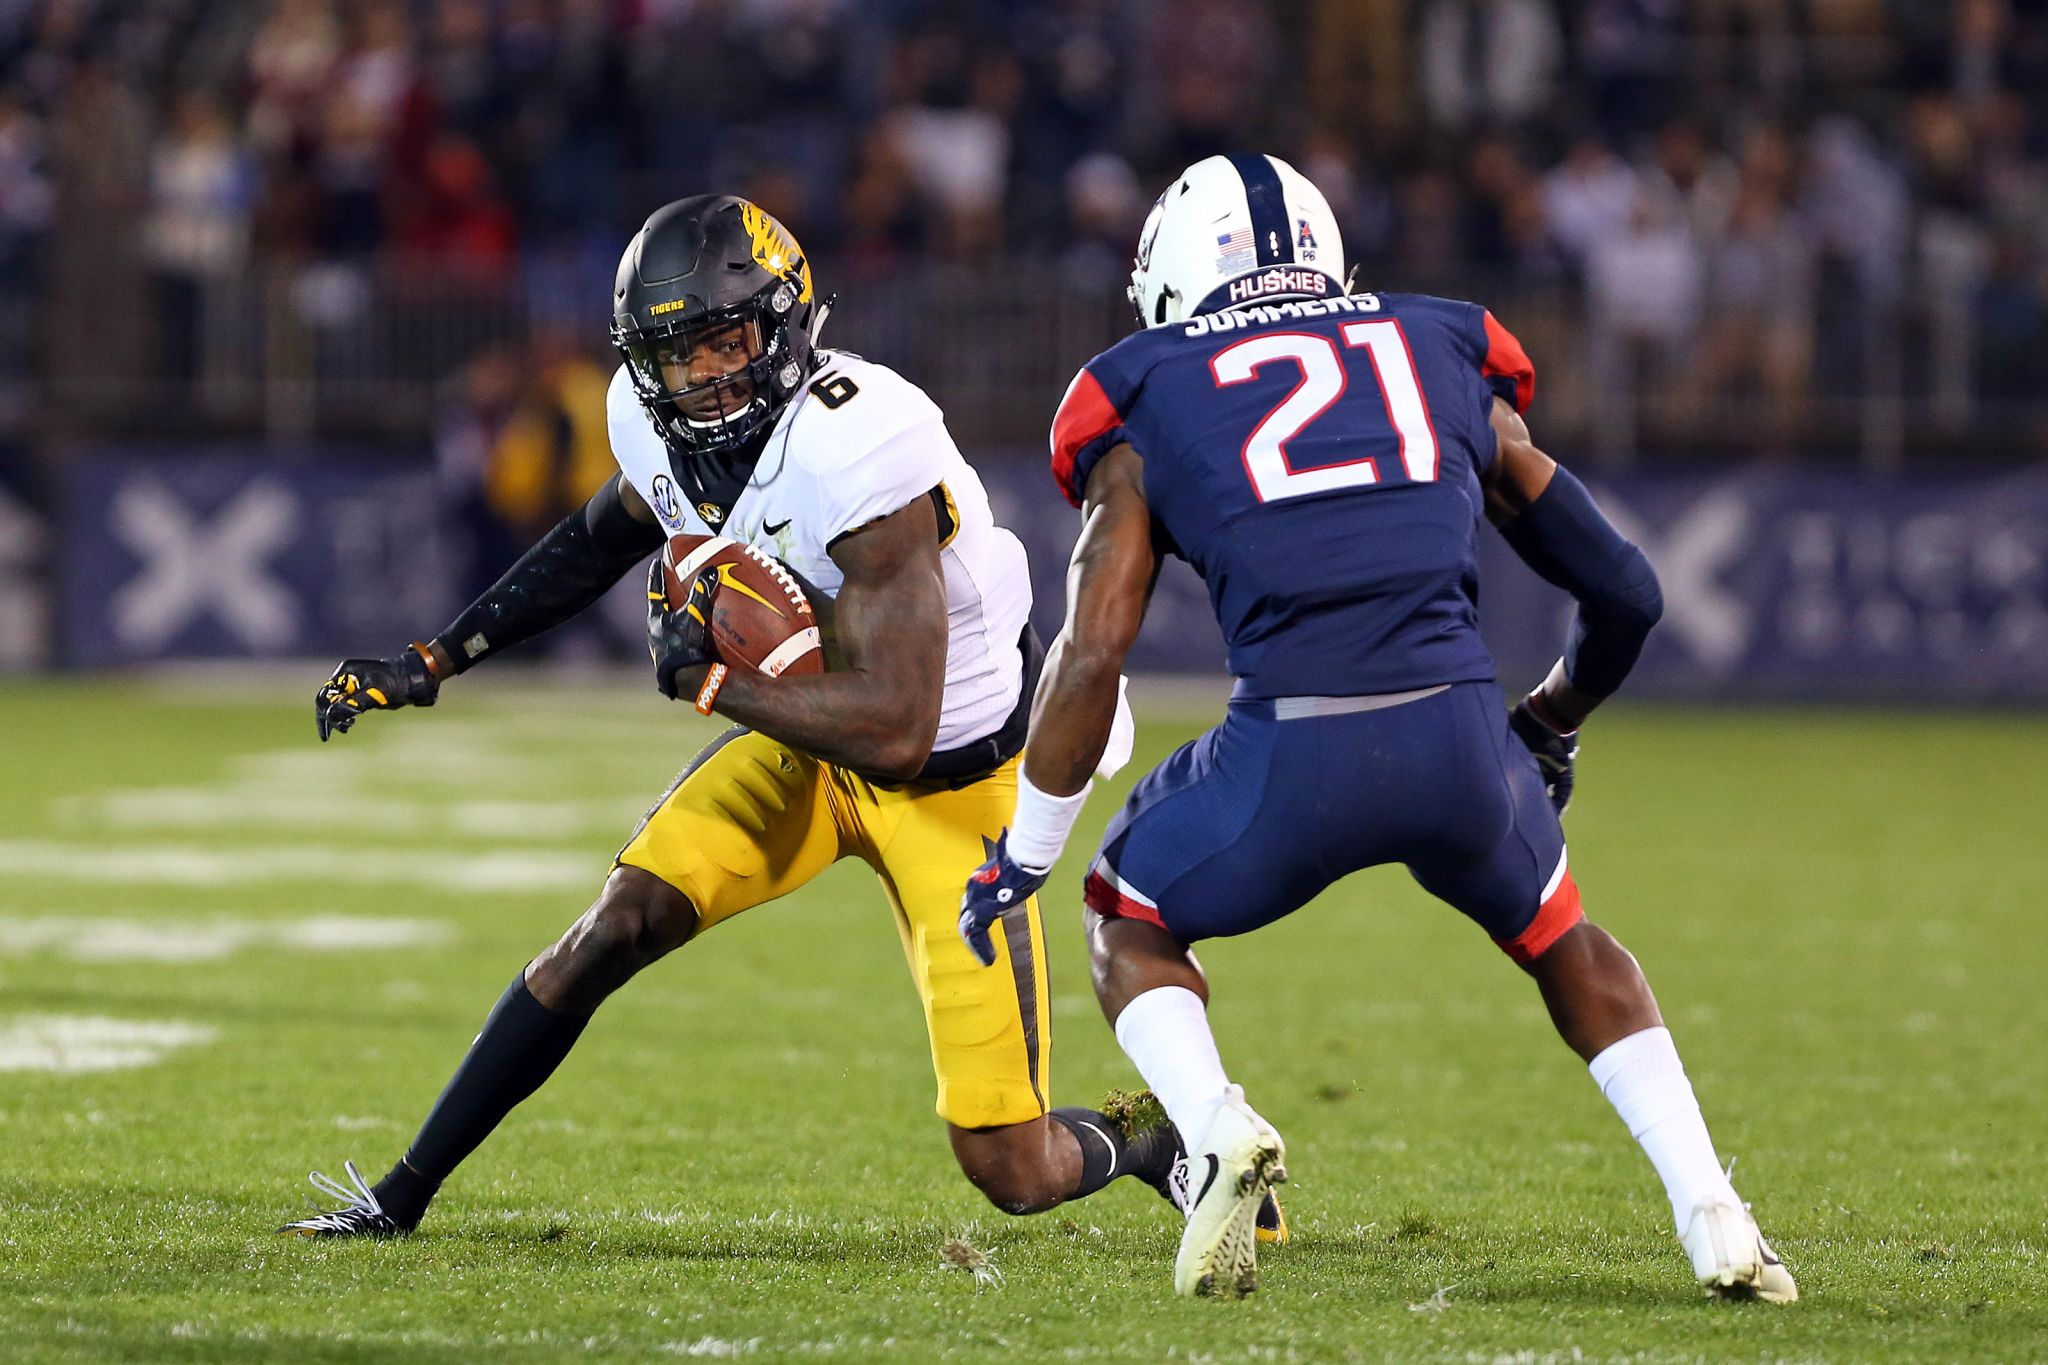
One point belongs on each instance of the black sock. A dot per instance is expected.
(1150, 1156)
(521, 1044)
(1103, 1152)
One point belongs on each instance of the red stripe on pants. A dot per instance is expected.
(1554, 918)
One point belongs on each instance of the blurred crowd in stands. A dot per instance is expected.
(1731, 189)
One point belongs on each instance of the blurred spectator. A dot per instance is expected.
(1487, 62)
(1215, 59)
(290, 63)
(1644, 289)
(1871, 170)
(454, 221)
(1760, 287)
(202, 186)
(25, 205)
(1105, 210)
(950, 133)
(1630, 54)
(1588, 196)
(1696, 177)
(468, 423)
(553, 450)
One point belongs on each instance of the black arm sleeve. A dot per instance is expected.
(566, 570)
(1566, 539)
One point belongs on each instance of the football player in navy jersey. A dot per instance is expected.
(1323, 459)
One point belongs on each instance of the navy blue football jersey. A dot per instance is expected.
(1319, 464)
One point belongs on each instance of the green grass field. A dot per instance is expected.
(1842, 914)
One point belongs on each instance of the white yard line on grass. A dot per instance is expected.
(473, 871)
(267, 807)
(168, 940)
(74, 1042)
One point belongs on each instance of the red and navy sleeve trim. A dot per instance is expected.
(1083, 430)
(1506, 366)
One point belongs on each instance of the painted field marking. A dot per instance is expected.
(93, 939)
(81, 1042)
(474, 871)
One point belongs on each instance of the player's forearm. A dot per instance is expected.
(1071, 716)
(565, 571)
(1566, 539)
(873, 723)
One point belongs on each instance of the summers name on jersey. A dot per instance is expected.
(1319, 464)
(860, 443)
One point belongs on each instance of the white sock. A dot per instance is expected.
(1643, 1079)
(1165, 1032)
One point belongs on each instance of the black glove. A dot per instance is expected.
(681, 638)
(360, 685)
(1554, 752)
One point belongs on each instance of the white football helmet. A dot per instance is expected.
(1235, 229)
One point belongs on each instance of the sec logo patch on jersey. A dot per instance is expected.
(667, 505)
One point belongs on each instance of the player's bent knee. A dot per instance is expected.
(1011, 1166)
(637, 919)
(645, 917)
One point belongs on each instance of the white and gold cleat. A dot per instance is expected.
(1731, 1257)
(1230, 1172)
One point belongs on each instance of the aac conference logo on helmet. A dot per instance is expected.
(775, 251)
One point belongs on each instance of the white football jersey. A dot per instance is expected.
(859, 443)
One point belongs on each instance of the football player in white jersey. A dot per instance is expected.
(726, 418)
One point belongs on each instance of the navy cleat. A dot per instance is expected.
(362, 1214)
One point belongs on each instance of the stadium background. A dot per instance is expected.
(301, 338)
(279, 277)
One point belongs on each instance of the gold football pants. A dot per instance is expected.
(752, 819)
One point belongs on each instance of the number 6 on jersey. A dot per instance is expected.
(1324, 381)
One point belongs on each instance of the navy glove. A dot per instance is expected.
(360, 685)
(1554, 752)
(996, 886)
(681, 638)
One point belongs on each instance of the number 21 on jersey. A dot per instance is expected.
(1324, 381)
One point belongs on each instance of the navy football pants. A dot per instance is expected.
(1252, 820)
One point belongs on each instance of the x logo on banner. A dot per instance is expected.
(193, 566)
(1689, 555)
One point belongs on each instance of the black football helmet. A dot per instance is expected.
(702, 266)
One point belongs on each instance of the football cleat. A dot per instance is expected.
(1229, 1174)
(1272, 1221)
(361, 1215)
(1731, 1257)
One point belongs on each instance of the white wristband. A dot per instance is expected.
(1042, 824)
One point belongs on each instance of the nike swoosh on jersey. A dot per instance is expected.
(776, 528)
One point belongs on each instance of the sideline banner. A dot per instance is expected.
(209, 556)
(24, 605)
(1793, 584)
(1778, 584)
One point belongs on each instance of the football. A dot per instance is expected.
(760, 618)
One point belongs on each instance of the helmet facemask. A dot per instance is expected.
(766, 342)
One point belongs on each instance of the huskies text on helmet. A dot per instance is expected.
(1234, 230)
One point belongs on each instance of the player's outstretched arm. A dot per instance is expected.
(1109, 584)
(1551, 521)
(878, 713)
(567, 569)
